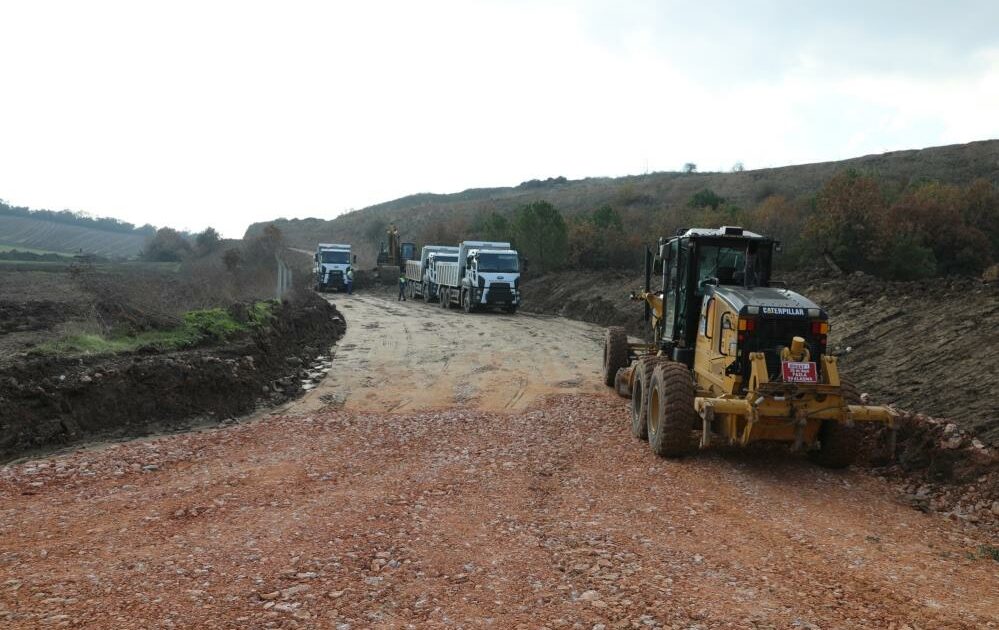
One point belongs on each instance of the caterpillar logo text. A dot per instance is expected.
(783, 311)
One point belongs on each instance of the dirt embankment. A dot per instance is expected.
(46, 402)
(597, 298)
(924, 347)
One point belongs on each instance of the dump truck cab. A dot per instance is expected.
(735, 355)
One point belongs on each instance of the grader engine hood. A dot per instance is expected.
(769, 302)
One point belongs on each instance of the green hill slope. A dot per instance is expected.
(40, 234)
(638, 197)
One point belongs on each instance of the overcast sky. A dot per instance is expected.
(191, 114)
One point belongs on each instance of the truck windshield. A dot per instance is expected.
(439, 258)
(338, 258)
(498, 263)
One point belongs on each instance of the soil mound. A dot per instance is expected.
(46, 402)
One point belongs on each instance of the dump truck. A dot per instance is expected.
(486, 275)
(735, 357)
(331, 263)
(421, 274)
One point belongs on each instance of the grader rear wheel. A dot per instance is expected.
(838, 443)
(671, 413)
(615, 353)
(640, 380)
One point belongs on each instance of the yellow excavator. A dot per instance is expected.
(736, 357)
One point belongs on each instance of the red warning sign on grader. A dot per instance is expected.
(799, 372)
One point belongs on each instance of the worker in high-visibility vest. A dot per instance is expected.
(349, 276)
(402, 287)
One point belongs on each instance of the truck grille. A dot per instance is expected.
(499, 292)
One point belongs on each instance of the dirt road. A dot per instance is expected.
(404, 356)
(486, 510)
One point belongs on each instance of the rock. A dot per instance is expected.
(308, 575)
(291, 591)
(267, 596)
(589, 596)
(995, 508)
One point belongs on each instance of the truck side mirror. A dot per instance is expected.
(778, 247)
(355, 259)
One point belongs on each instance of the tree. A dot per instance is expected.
(689, 167)
(167, 245)
(260, 252)
(207, 241)
(706, 198)
(492, 227)
(542, 234)
(849, 223)
(738, 167)
(935, 215)
(606, 217)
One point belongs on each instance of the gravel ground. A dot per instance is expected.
(548, 517)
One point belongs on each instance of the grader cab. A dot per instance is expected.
(736, 358)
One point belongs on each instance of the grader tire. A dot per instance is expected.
(671, 414)
(615, 353)
(640, 381)
(838, 443)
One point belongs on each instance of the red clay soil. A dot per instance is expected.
(554, 518)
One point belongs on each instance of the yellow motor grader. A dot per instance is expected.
(736, 358)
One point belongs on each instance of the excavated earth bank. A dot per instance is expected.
(49, 402)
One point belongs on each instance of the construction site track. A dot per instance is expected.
(461, 510)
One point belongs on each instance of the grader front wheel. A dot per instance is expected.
(615, 353)
(671, 413)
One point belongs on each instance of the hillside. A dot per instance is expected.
(638, 197)
(33, 233)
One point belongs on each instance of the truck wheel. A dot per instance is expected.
(426, 294)
(641, 379)
(615, 353)
(671, 413)
(512, 309)
(838, 443)
(445, 299)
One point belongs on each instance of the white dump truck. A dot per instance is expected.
(331, 263)
(421, 275)
(486, 275)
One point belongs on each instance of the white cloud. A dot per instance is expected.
(223, 113)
